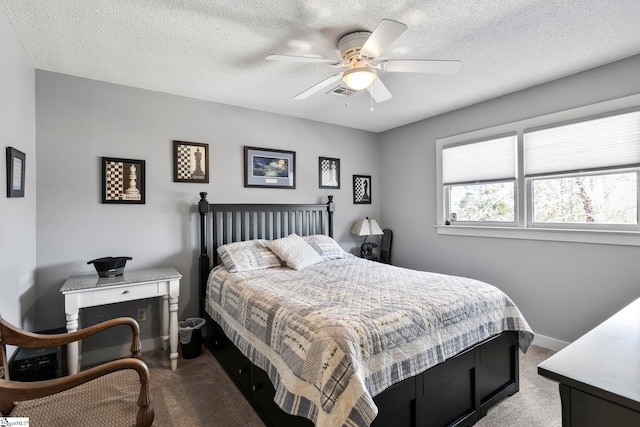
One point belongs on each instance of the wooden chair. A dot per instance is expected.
(15, 391)
(385, 246)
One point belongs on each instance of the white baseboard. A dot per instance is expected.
(550, 343)
(116, 352)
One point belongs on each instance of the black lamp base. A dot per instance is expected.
(366, 250)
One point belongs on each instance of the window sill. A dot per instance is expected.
(603, 237)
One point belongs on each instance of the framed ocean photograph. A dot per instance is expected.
(269, 168)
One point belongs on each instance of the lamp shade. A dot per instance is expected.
(358, 78)
(366, 227)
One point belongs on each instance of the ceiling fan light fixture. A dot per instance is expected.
(359, 78)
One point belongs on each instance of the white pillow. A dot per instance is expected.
(295, 252)
(247, 256)
(325, 246)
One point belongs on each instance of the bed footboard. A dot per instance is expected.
(457, 392)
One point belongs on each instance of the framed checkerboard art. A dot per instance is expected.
(362, 189)
(123, 181)
(329, 170)
(190, 162)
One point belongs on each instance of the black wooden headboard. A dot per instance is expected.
(240, 222)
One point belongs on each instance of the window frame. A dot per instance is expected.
(582, 226)
(523, 227)
(447, 201)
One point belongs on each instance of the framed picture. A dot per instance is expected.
(329, 171)
(122, 181)
(362, 189)
(16, 160)
(190, 162)
(264, 167)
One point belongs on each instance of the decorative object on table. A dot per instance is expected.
(362, 189)
(329, 171)
(16, 161)
(367, 227)
(110, 266)
(190, 162)
(265, 167)
(123, 181)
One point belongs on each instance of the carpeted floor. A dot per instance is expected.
(199, 393)
(537, 404)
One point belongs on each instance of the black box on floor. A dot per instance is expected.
(35, 364)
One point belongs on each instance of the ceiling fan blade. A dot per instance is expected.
(385, 33)
(308, 59)
(318, 87)
(379, 91)
(420, 66)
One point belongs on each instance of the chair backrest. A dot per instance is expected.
(385, 246)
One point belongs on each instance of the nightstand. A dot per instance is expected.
(91, 290)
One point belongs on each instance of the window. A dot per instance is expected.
(601, 199)
(583, 173)
(488, 202)
(479, 179)
(557, 174)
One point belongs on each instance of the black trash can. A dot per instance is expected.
(190, 332)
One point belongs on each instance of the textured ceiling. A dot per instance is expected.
(215, 50)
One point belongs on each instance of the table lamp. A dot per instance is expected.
(366, 227)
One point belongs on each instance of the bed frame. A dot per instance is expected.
(457, 392)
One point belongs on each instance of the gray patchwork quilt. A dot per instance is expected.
(337, 333)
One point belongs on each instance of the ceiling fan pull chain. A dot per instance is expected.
(371, 101)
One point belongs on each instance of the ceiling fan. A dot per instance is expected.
(360, 51)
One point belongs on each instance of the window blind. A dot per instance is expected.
(594, 144)
(493, 159)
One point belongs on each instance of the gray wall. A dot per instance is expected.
(563, 289)
(17, 215)
(80, 120)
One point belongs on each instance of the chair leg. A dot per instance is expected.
(145, 412)
(6, 408)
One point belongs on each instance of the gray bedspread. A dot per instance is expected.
(337, 333)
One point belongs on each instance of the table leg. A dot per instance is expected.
(173, 332)
(165, 322)
(72, 348)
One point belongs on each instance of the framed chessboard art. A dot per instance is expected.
(362, 189)
(190, 162)
(329, 170)
(123, 181)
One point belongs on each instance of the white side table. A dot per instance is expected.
(91, 290)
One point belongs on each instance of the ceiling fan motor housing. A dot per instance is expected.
(350, 45)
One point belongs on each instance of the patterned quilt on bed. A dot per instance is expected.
(337, 333)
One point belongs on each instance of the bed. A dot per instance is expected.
(335, 340)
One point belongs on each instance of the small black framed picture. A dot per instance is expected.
(362, 189)
(329, 172)
(190, 162)
(16, 162)
(268, 168)
(123, 181)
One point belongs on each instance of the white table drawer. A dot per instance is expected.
(118, 294)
